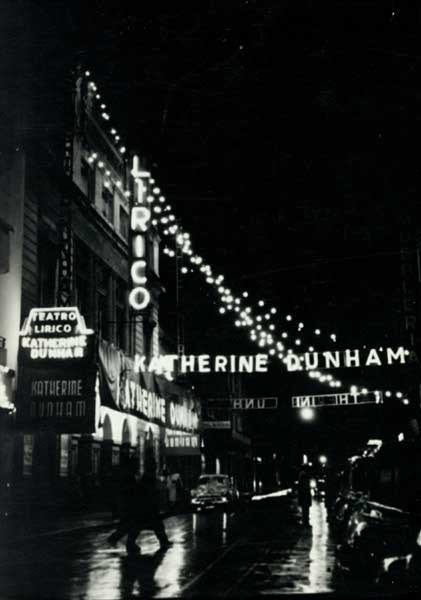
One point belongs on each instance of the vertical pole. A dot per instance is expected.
(65, 267)
(179, 299)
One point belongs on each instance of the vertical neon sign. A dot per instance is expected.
(140, 216)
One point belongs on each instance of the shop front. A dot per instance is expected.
(83, 412)
(146, 416)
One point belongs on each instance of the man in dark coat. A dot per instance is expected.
(142, 512)
(304, 495)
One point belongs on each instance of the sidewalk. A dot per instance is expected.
(15, 530)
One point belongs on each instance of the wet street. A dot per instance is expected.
(260, 549)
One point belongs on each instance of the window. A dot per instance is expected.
(102, 317)
(124, 223)
(88, 176)
(153, 254)
(83, 286)
(121, 324)
(47, 264)
(103, 325)
(108, 204)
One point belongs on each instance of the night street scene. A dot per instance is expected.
(210, 299)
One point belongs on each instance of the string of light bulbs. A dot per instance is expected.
(163, 216)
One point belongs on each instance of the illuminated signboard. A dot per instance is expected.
(346, 358)
(140, 216)
(254, 403)
(123, 389)
(182, 445)
(203, 363)
(57, 370)
(62, 400)
(51, 334)
(6, 376)
(216, 424)
(337, 400)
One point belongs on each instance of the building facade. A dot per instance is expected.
(65, 241)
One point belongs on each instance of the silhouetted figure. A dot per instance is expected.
(141, 512)
(140, 570)
(304, 495)
(331, 491)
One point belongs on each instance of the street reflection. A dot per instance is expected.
(168, 574)
(139, 575)
(194, 523)
(103, 576)
(224, 528)
(321, 552)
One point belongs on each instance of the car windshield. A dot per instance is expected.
(206, 479)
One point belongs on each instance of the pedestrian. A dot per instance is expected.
(331, 491)
(304, 495)
(172, 489)
(142, 512)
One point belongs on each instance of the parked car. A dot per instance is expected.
(214, 490)
(380, 515)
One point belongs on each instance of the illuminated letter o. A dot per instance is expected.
(139, 298)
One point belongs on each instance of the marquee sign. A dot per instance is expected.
(216, 424)
(140, 216)
(337, 400)
(254, 403)
(54, 334)
(203, 363)
(61, 400)
(182, 445)
(346, 359)
(122, 388)
(56, 384)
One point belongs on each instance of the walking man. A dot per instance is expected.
(142, 513)
(304, 495)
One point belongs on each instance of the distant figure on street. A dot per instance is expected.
(332, 491)
(141, 512)
(304, 495)
(175, 490)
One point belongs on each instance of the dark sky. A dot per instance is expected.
(282, 132)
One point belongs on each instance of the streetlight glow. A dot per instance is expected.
(307, 414)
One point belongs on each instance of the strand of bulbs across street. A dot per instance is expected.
(258, 322)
